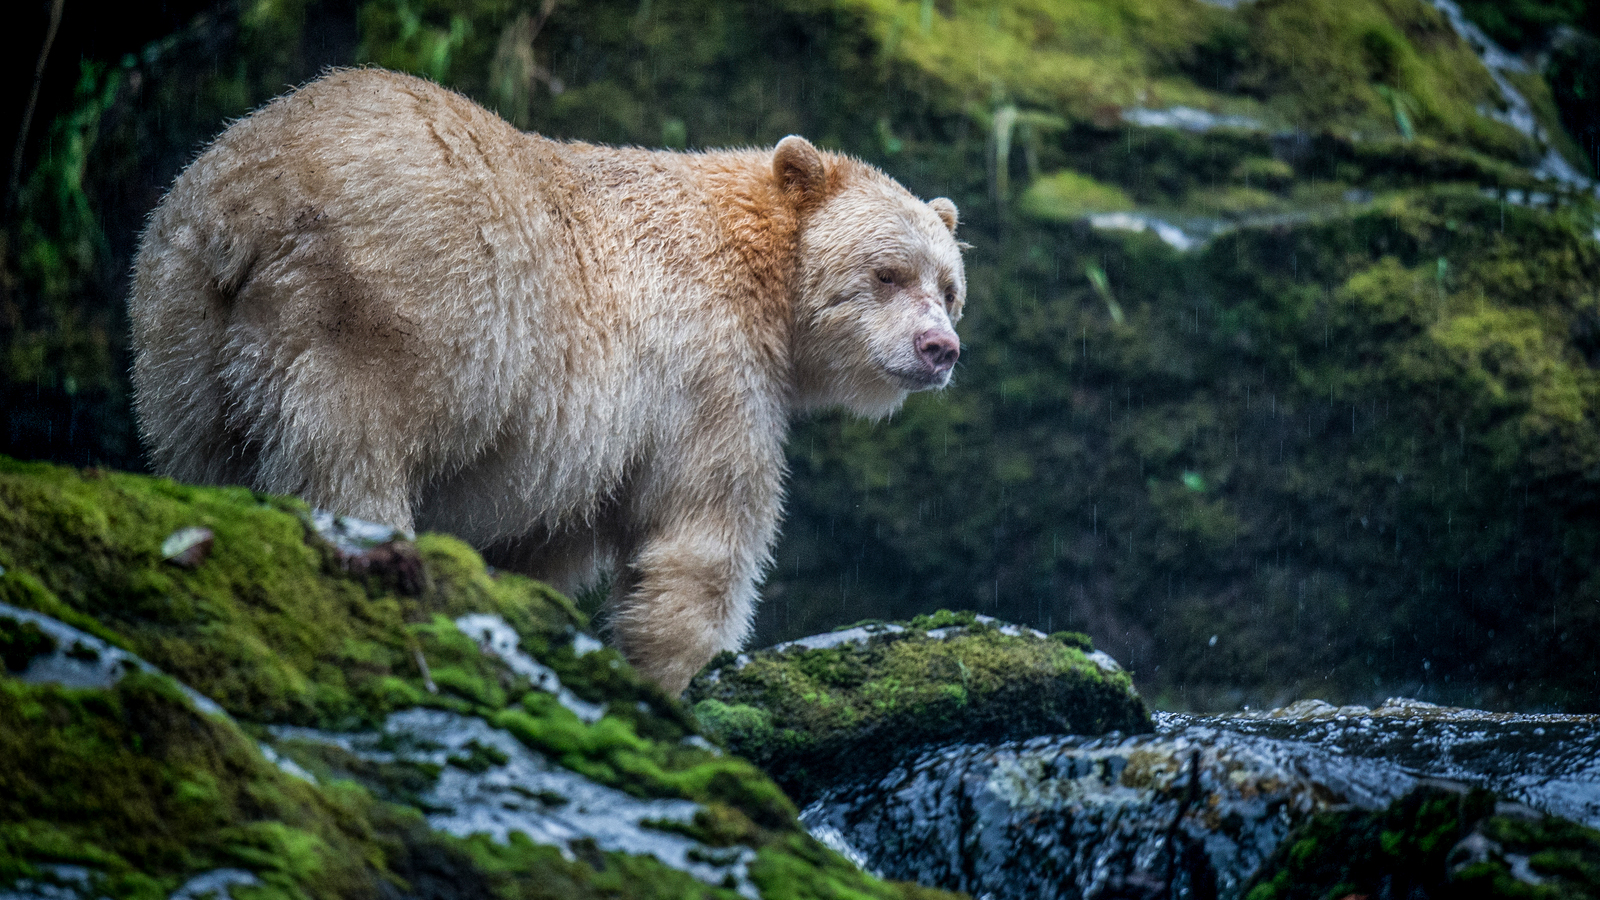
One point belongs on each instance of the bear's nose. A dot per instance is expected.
(939, 349)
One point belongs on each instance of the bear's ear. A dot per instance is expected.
(799, 169)
(947, 212)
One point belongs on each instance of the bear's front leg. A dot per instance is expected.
(688, 592)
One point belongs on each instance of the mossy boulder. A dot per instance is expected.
(298, 715)
(853, 701)
(1438, 841)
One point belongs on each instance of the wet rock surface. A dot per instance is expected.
(1550, 762)
(489, 783)
(1196, 809)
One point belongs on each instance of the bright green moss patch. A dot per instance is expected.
(1435, 842)
(808, 715)
(1066, 195)
(144, 792)
(611, 752)
(134, 784)
(269, 625)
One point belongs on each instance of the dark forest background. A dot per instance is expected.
(1343, 442)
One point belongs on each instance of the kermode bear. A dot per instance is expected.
(377, 295)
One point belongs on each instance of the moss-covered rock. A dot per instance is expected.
(389, 716)
(851, 702)
(1438, 841)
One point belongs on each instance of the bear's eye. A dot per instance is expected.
(949, 297)
(885, 276)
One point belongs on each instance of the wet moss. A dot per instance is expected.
(1437, 841)
(270, 626)
(134, 784)
(811, 715)
(1067, 195)
(1372, 66)
(719, 825)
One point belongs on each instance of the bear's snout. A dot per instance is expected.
(938, 349)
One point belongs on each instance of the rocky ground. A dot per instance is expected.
(213, 690)
(209, 692)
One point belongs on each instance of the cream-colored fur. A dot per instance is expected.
(377, 295)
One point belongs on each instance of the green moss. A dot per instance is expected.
(1369, 66)
(526, 871)
(718, 825)
(134, 784)
(738, 724)
(801, 867)
(1434, 842)
(943, 618)
(395, 781)
(611, 752)
(269, 625)
(1067, 195)
(478, 758)
(807, 716)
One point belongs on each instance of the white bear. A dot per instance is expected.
(375, 294)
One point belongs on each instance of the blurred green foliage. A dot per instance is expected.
(1346, 447)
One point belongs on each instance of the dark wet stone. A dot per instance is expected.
(1200, 806)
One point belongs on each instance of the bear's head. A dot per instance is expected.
(880, 283)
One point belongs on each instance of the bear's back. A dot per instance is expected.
(374, 253)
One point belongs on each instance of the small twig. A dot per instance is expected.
(56, 7)
(427, 677)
